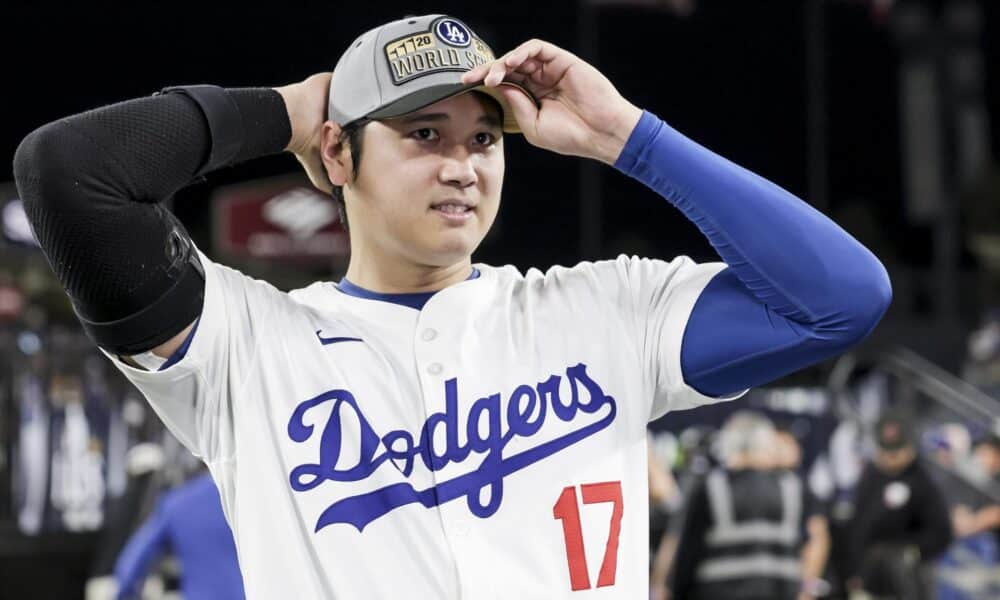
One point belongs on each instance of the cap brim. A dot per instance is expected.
(427, 96)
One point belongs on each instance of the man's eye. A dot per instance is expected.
(485, 139)
(425, 134)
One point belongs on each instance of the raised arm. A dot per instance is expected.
(92, 185)
(798, 288)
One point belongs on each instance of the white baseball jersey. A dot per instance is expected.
(491, 445)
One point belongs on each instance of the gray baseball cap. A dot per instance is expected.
(405, 65)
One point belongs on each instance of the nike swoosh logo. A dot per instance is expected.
(335, 340)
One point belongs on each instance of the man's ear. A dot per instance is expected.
(335, 154)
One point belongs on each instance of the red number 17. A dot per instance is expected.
(567, 511)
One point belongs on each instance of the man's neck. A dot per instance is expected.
(399, 277)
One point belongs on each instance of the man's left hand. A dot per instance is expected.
(579, 111)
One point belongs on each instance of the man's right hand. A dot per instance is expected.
(306, 102)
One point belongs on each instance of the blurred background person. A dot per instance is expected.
(663, 492)
(741, 531)
(664, 500)
(815, 526)
(189, 523)
(971, 568)
(986, 518)
(901, 522)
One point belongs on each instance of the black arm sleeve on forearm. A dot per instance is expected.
(91, 184)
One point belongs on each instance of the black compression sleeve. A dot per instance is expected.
(91, 184)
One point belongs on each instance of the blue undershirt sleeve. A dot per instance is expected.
(140, 553)
(798, 289)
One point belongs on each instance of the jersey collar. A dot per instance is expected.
(413, 300)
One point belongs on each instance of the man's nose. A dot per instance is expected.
(457, 169)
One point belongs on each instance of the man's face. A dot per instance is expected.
(988, 456)
(788, 454)
(428, 187)
(895, 461)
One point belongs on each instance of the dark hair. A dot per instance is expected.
(352, 136)
(992, 440)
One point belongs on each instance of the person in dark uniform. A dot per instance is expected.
(901, 521)
(742, 528)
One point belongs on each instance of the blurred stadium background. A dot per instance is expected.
(883, 114)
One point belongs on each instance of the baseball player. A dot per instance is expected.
(429, 426)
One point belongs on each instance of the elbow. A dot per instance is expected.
(25, 159)
(876, 296)
(35, 150)
(865, 296)
(39, 159)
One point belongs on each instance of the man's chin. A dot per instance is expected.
(449, 252)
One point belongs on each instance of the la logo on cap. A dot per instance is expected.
(453, 33)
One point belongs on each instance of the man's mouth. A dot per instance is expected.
(454, 209)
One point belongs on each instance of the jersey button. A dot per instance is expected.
(428, 335)
(435, 368)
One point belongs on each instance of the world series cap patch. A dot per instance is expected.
(447, 46)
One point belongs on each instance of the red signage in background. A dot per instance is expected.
(11, 302)
(278, 219)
